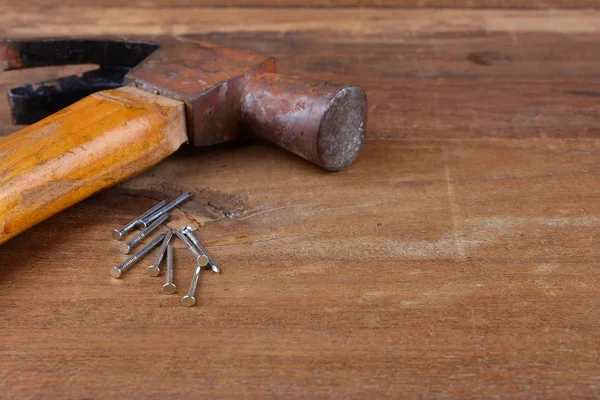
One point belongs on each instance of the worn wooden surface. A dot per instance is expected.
(458, 257)
(517, 4)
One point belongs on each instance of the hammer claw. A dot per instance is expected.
(111, 53)
(31, 103)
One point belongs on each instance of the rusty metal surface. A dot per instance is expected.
(319, 121)
(208, 78)
(227, 92)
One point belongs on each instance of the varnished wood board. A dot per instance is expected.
(456, 258)
(359, 24)
(450, 267)
(427, 74)
(517, 4)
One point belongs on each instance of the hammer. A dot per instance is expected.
(146, 99)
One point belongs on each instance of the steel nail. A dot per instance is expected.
(189, 233)
(154, 269)
(201, 259)
(117, 234)
(189, 300)
(126, 247)
(116, 272)
(146, 221)
(169, 287)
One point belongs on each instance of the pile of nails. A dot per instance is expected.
(147, 223)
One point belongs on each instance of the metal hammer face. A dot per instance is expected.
(227, 93)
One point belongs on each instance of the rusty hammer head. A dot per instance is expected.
(228, 93)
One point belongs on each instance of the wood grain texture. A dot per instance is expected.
(374, 25)
(96, 143)
(447, 68)
(482, 4)
(457, 258)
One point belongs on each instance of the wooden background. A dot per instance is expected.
(481, 4)
(458, 257)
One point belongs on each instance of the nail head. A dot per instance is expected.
(202, 260)
(169, 288)
(115, 273)
(188, 301)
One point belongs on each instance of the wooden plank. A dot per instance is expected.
(379, 25)
(427, 74)
(475, 4)
(444, 267)
(456, 258)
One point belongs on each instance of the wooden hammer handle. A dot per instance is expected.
(89, 146)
